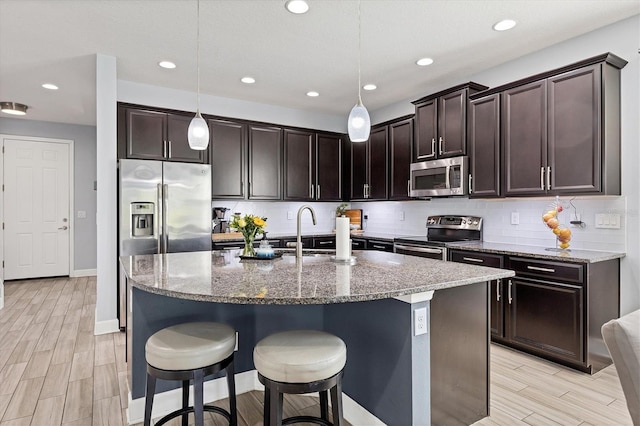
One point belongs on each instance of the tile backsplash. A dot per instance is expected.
(409, 217)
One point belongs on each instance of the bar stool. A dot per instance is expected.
(191, 351)
(298, 362)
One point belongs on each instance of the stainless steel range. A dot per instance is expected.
(440, 231)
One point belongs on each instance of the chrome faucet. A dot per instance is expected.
(298, 237)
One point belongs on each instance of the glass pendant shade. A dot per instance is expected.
(198, 133)
(359, 123)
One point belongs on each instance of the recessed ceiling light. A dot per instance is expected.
(504, 25)
(13, 108)
(248, 80)
(50, 86)
(167, 64)
(369, 87)
(297, 6)
(423, 62)
(313, 94)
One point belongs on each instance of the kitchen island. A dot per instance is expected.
(392, 368)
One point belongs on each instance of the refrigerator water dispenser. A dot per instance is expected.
(142, 218)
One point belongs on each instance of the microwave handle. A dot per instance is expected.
(448, 181)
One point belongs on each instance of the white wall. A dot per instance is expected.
(84, 166)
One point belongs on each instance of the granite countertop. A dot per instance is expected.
(571, 255)
(221, 276)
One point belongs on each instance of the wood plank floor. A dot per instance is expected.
(54, 371)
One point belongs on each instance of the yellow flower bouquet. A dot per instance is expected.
(249, 226)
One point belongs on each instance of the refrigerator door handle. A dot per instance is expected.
(165, 235)
(160, 204)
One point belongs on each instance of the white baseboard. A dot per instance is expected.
(106, 327)
(166, 402)
(83, 273)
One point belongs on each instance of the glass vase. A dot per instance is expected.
(248, 250)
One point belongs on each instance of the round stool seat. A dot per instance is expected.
(190, 346)
(300, 356)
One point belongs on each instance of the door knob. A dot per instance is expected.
(64, 228)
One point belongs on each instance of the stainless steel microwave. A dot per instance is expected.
(439, 178)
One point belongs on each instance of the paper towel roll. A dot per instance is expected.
(343, 248)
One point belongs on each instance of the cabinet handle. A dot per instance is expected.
(497, 290)
(164, 149)
(542, 178)
(440, 145)
(318, 192)
(537, 268)
(509, 295)
(324, 242)
(409, 188)
(169, 149)
(433, 146)
(548, 178)
(241, 188)
(311, 192)
(378, 247)
(473, 259)
(470, 181)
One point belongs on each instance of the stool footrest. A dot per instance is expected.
(181, 411)
(306, 419)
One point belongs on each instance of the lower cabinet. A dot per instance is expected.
(552, 309)
(358, 244)
(379, 245)
(307, 242)
(324, 242)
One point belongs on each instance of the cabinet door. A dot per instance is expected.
(228, 153)
(426, 131)
(298, 165)
(380, 245)
(178, 143)
(546, 318)
(328, 168)
(358, 170)
(484, 147)
(358, 244)
(265, 163)
(324, 242)
(377, 173)
(452, 124)
(400, 144)
(574, 108)
(524, 129)
(146, 134)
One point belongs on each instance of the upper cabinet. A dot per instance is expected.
(265, 162)
(329, 161)
(400, 154)
(484, 147)
(441, 123)
(147, 134)
(369, 166)
(561, 130)
(228, 158)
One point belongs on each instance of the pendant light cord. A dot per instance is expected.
(198, 54)
(359, 54)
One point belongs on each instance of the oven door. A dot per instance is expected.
(439, 253)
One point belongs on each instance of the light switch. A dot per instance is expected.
(82, 214)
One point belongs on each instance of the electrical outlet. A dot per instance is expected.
(401, 216)
(515, 218)
(289, 215)
(82, 214)
(420, 321)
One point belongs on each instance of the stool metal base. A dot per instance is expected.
(273, 395)
(199, 407)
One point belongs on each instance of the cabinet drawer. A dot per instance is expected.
(324, 242)
(475, 258)
(358, 244)
(379, 245)
(567, 272)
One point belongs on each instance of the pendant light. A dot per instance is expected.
(198, 133)
(359, 124)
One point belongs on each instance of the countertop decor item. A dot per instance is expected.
(249, 226)
(551, 218)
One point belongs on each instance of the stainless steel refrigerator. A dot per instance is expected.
(163, 208)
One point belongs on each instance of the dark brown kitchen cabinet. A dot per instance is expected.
(228, 158)
(400, 146)
(307, 242)
(324, 242)
(496, 295)
(484, 147)
(312, 166)
(155, 135)
(369, 166)
(358, 244)
(379, 245)
(561, 130)
(299, 157)
(265, 163)
(441, 123)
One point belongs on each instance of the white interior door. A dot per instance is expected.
(36, 208)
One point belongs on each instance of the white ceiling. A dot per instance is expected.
(289, 55)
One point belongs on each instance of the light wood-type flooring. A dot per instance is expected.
(54, 371)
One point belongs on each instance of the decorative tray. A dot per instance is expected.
(275, 256)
